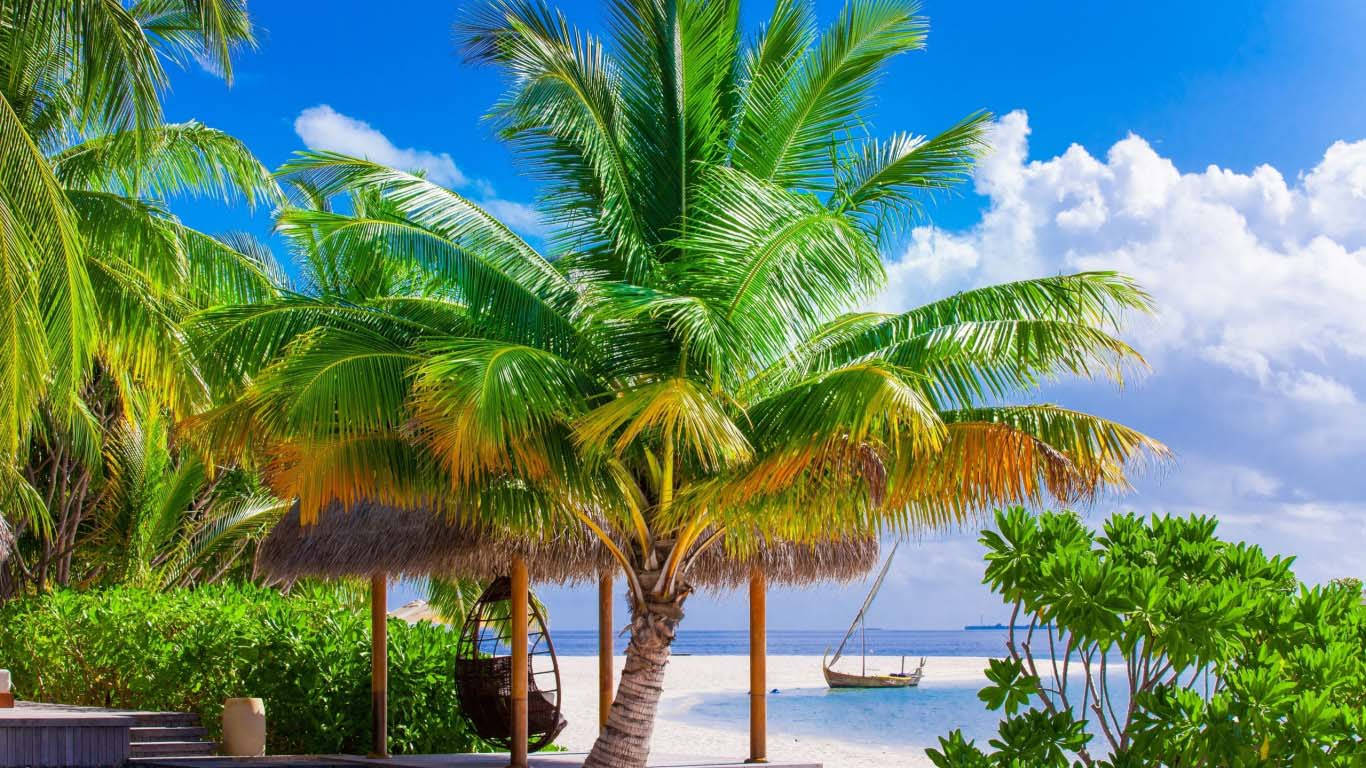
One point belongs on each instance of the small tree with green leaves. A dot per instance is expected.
(1156, 643)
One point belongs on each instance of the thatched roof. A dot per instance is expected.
(371, 538)
(787, 564)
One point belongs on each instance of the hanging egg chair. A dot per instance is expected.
(483, 671)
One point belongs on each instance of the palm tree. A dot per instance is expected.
(97, 270)
(691, 369)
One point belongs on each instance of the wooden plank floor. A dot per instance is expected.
(62, 737)
(492, 760)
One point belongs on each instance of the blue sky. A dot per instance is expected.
(1214, 150)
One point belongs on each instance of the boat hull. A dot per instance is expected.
(844, 680)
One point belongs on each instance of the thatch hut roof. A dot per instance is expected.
(787, 564)
(370, 538)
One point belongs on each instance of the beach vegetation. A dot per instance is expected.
(307, 655)
(1152, 642)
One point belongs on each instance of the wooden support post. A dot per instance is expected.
(518, 605)
(758, 668)
(379, 665)
(604, 647)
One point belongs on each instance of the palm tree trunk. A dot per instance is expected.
(625, 740)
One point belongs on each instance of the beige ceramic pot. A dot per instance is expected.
(244, 727)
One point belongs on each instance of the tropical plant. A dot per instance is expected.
(186, 650)
(691, 368)
(98, 271)
(1155, 643)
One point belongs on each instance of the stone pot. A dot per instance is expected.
(244, 728)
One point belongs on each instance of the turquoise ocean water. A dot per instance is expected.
(911, 718)
(881, 642)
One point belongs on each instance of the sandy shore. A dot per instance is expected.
(691, 676)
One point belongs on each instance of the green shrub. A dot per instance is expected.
(306, 655)
(1154, 643)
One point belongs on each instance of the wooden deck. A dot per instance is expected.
(44, 735)
(493, 760)
(34, 734)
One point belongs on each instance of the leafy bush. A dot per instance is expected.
(307, 655)
(1157, 644)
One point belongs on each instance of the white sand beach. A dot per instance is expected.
(691, 677)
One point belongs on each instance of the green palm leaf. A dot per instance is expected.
(493, 295)
(884, 182)
(46, 322)
(826, 92)
(566, 115)
(168, 160)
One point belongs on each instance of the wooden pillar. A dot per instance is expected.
(758, 668)
(518, 605)
(604, 647)
(379, 665)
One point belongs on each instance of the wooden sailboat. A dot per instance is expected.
(902, 679)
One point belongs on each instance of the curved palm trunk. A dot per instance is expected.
(625, 740)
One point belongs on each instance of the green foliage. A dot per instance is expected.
(1155, 643)
(307, 655)
(98, 275)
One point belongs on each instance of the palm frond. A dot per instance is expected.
(233, 268)
(565, 113)
(774, 264)
(227, 527)
(1017, 455)
(102, 47)
(826, 92)
(492, 294)
(231, 344)
(166, 161)
(208, 32)
(766, 73)
(47, 319)
(336, 382)
(23, 506)
(489, 407)
(434, 208)
(384, 467)
(861, 403)
(676, 408)
(886, 180)
(1086, 307)
(968, 363)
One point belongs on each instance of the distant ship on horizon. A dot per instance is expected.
(999, 626)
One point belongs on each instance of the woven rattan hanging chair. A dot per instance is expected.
(483, 671)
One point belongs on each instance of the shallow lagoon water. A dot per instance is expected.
(910, 717)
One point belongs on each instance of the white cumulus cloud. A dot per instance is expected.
(1259, 344)
(324, 128)
(1250, 271)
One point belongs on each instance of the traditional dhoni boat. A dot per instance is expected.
(835, 679)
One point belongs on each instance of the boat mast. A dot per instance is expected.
(867, 602)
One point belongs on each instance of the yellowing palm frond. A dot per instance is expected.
(674, 406)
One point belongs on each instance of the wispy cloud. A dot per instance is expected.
(323, 128)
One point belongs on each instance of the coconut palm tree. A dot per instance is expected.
(97, 270)
(691, 367)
